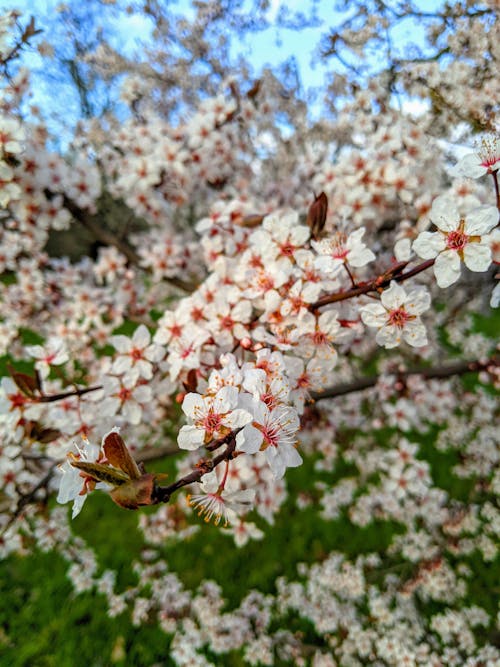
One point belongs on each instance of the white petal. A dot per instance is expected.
(414, 333)
(121, 343)
(237, 418)
(141, 337)
(429, 244)
(193, 405)
(470, 166)
(225, 400)
(481, 220)
(249, 440)
(154, 353)
(477, 256)
(190, 437)
(389, 337)
(444, 214)
(132, 412)
(276, 462)
(447, 268)
(374, 315)
(360, 256)
(328, 322)
(143, 393)
(291, 456)
(122, 364)
(418, 301)
(393, 297)
(329, 265)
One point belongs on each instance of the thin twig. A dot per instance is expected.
(447, 370)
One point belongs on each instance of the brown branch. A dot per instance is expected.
(373, 285)
(448, 370)
(106, 237)
(67, 394)
(162, 494)
(156, 453)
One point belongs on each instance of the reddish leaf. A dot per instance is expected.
(118, 455)
(191, 381)
(29, 385)
(251, 221)
(135, 493)
(101, 472)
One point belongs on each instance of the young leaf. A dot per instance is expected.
(118, 455)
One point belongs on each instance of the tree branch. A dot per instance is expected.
(448, 370)
(373, 285)
(162, 494)
(108, 238)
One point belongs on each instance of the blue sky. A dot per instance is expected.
(260, 49)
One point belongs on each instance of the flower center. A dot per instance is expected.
(489, 153)
(124, 394)
(399, 317)
(212, 422)
(287, 249)
(457, 240)
(271, 435)
(226, 322)
(17, 400)
(320, 338)
(338, 249)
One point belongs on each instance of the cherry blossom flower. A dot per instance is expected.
(460, 238)
(273, 432)
(11, 135)
(340, 249)
(485, 160)
(215, 502)
(397, 316)
(185, 350)
(74, 484)
(53, 353)
(213, 417)
(316, 334)
(136, 353)
(229, 321)
(281, 236)
(125, 396)
(15, 407)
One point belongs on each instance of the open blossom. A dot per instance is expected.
(397, 316)
(125, 396)
(11, 135)
(485, 160)
(53, 353)
(136, 353)
(340, 249)
(459, 238)
(215, 502)
(74, 483)
(274, 432)
(213, 417)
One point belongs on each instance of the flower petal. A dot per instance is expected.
(444, 214)
(429, 244)
(477, 256)
(374, 315)
(481, 220)
(447, 268)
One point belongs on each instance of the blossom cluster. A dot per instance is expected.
(225, 315)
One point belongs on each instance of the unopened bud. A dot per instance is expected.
(316, 217)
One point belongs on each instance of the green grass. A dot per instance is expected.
(45, 624)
